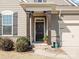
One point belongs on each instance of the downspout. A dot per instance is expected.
(59, 13)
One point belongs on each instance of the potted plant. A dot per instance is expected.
(45, 39)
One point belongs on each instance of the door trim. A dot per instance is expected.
(35, 26)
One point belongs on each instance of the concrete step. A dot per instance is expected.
(40, 46)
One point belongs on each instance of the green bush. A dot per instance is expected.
(7, 44)
(22, 44)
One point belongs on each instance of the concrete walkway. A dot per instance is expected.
(72, 52)
(50, 52)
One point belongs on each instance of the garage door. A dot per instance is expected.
(71, 38)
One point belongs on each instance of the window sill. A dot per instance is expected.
(7, 35)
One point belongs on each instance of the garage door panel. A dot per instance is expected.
(70, 44)
(71, 38)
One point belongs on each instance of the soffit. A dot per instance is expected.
(38, 6)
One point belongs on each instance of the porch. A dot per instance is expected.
(39, 21)
(38, 24)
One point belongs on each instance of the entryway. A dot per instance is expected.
(39, 28)
(39, 31)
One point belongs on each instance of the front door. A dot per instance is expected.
(39, 28)
(39, 31)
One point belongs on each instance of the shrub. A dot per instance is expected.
(22, 44)
(7, 44)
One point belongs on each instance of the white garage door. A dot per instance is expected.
(71, 38)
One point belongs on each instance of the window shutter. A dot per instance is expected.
(44, 0)
(0, 24)
(15, 23)
(35, 0)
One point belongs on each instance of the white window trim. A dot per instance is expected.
(10, 24)
(39, 2)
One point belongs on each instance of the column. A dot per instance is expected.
(31, 37)
(29, 26)
(48, 15)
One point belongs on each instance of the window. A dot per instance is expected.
(7, 23)
(76, 1)
(7, 30)
(7, 19)
(40, 0)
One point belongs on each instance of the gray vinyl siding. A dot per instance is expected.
(0, 24)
